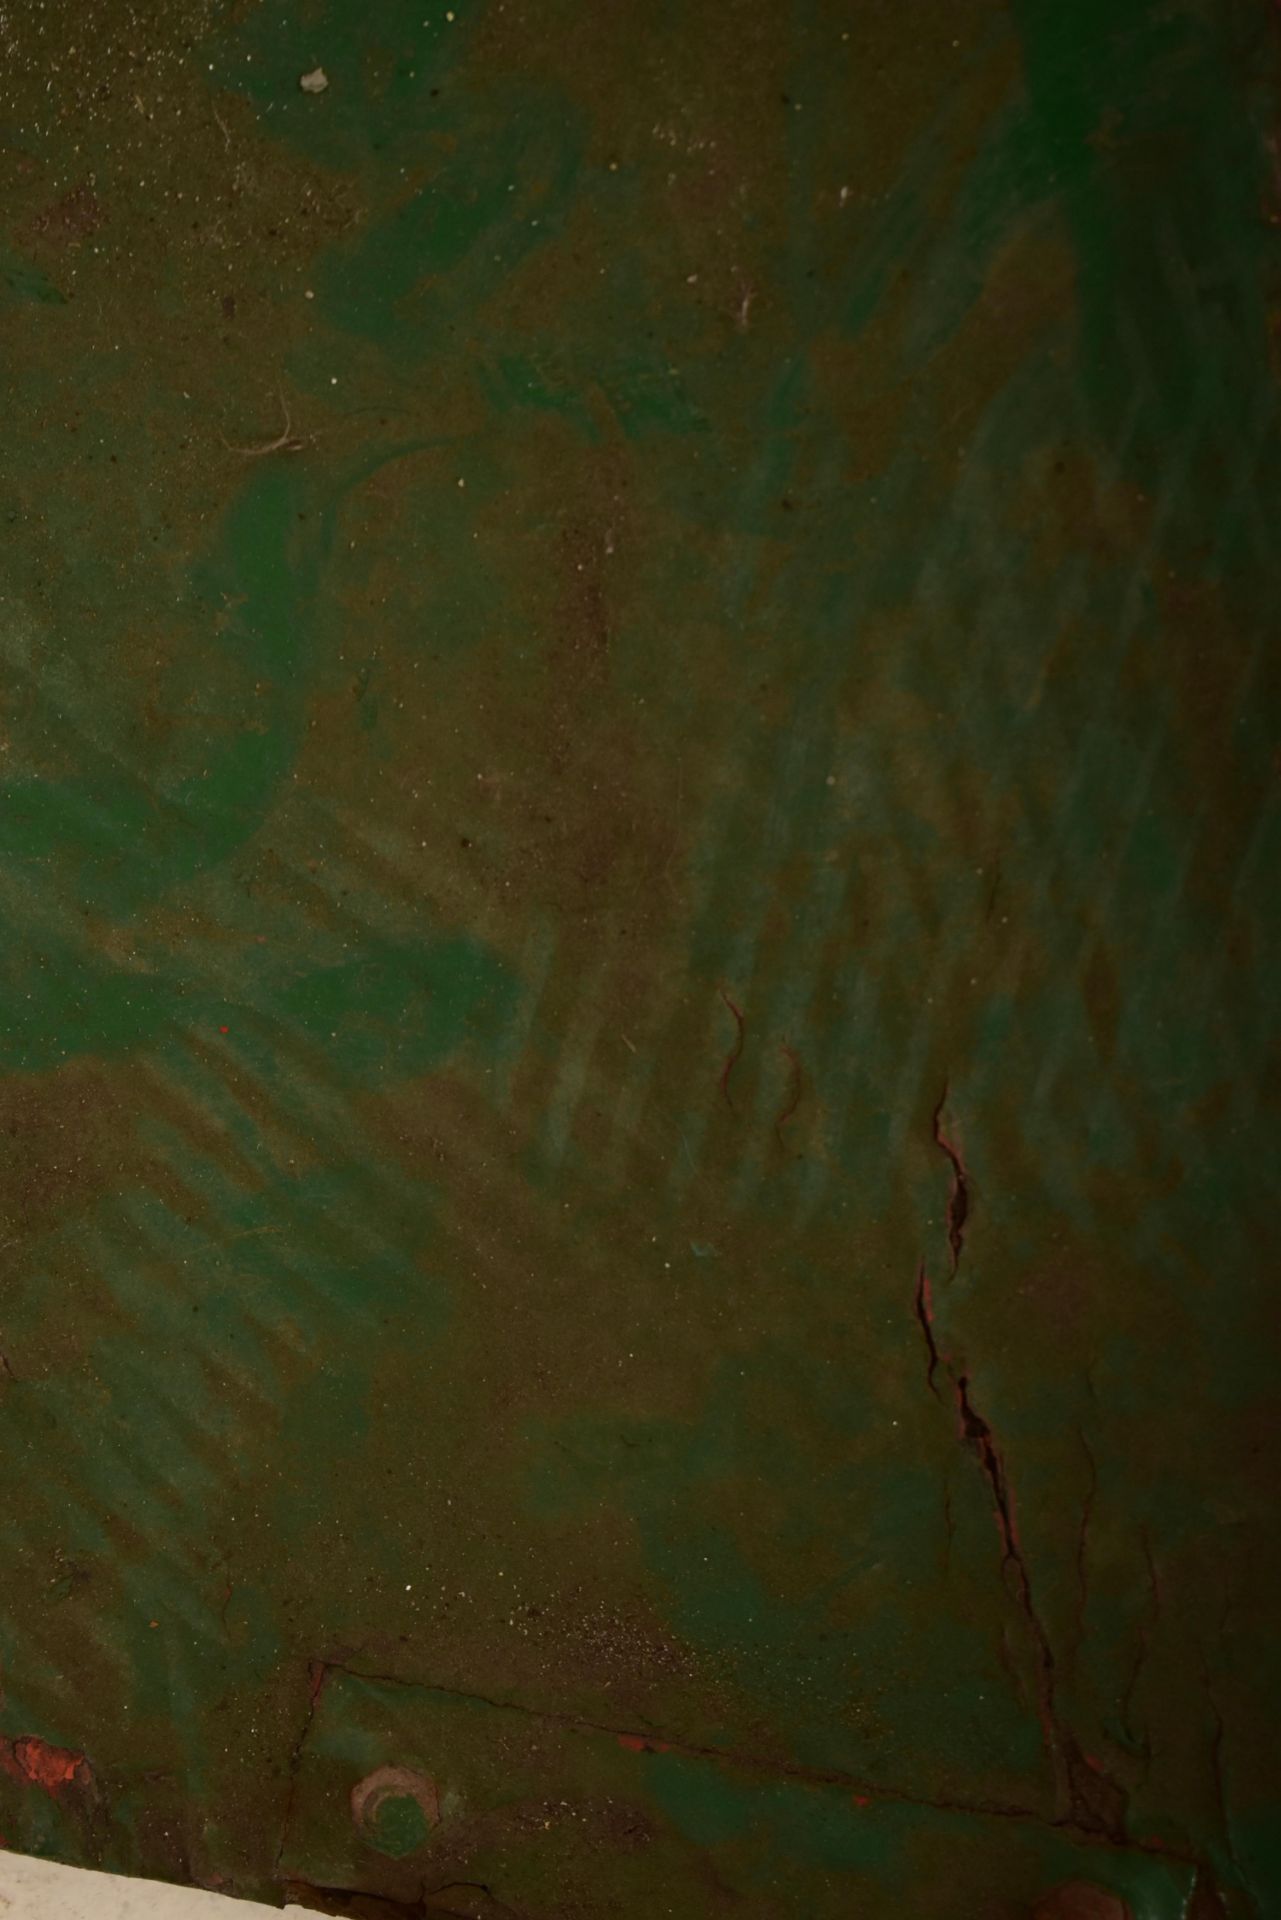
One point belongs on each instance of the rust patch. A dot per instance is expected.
(642, 1743)
(37, 1763)
(389, 1783)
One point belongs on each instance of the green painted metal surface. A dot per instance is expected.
(638, 831)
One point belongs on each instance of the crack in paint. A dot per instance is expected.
(318, 1672)
(1076, 1823)
(1096, 1806)
(1082, 1541)
(1097, 1803)
(924, 1307)
(1093, 1803)
(795, 1088)
(958, 1200)
(1216, 1763)
(735, 1053)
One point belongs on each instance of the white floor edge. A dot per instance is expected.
(40, 1890)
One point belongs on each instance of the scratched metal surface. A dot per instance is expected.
(638, 843)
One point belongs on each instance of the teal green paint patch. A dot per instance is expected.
(385, 73)
(1008, 186)
(398, 1826)
(779, 1832)
(853, 612)
(121, 840)
(705, 1803)
(727, 1587)
(831, 1832)
(489, 205)
(26, 282)
(420, 566)
(1133, 77)
(49, 1830)
(648, 397)
(353, 1728)
(98, 831)
(395, 1012)
(259, 584)
(322, 1439)
(331, 1270)
(528, 380)
(64, 1007)
(809, 1828)
(1256, 1855)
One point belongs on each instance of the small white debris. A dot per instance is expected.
(314, 82)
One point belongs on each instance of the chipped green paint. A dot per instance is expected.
(638, 821)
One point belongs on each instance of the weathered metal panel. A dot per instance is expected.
(638, 840)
